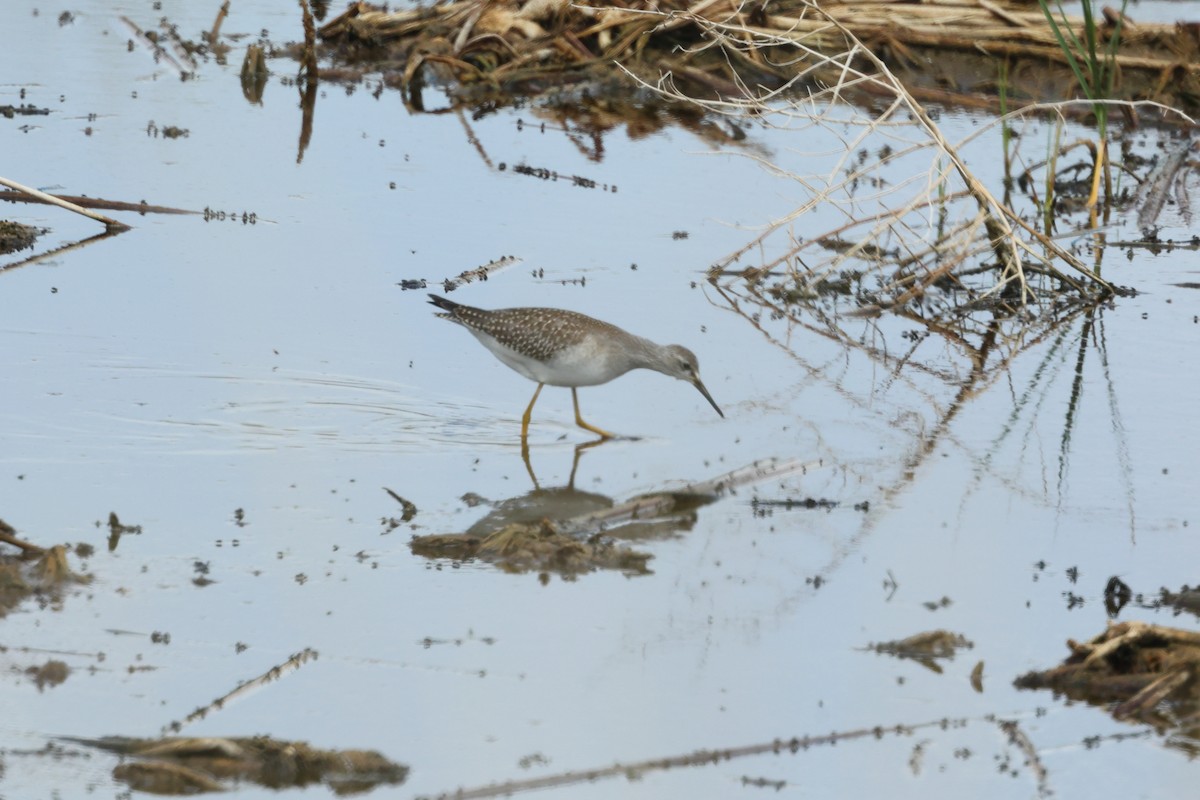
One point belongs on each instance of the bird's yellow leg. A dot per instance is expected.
(528, 414)
(603, 434)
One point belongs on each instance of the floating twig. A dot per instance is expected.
(293, 663)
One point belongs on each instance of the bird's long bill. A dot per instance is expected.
(708, 397)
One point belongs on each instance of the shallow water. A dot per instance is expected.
(244, 392)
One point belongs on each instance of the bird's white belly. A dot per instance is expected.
(582, 364)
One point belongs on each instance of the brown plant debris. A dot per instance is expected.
(24, 110)
(1133, 664)
(925, 648)
(509, 42)
(51, 569)
(1186, 599)
(408, 508)
(35, 570)
(187, 765)
(52, 673)
(116, 530)
(15, 237)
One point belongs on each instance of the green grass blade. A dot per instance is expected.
(1066, 47)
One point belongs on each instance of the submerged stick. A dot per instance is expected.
(111, 224)
(9, 534)
(215, 34)
(698, 758)
(296, 661)
(96, 202)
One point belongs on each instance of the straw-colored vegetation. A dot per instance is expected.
(501, 42)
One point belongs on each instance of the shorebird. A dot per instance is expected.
(564, 348)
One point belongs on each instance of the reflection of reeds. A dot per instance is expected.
(935, 236)
(943, 366)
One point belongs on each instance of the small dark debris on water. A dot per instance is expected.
(254, 74)
(185, 765)
(924, 648)
(408, 508)
(167, 131)
(116, 530)
(23, 110)
(764, 508)
(115, 526)
(51, 674)
(1186, 599)
(977, 678)
(1134, 664)
(1117, 595)
(15, 237)
(764, 783)
(246, 217)
(552, 175)
(1074, 601)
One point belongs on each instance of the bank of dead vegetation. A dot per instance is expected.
(518, 45)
